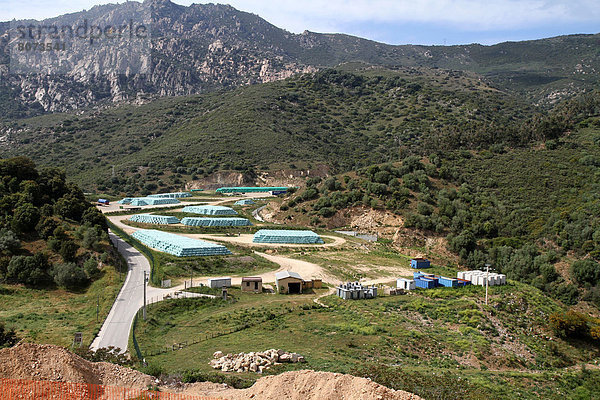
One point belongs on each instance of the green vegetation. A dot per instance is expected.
(501, 346)
(337, 118)
(57, 267)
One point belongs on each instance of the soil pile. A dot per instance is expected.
(306, 385)
(53, 363)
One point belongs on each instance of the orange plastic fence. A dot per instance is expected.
(17, 389)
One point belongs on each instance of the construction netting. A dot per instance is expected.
(286, 236)
(197, 221)
(177, 245)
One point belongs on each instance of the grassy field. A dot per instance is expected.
(53, 316)
(446, 331)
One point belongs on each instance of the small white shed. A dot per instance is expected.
(406, 284)
(216, 283)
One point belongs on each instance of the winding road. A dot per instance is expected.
(117, 326)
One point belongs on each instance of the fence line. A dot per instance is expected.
(20, 389)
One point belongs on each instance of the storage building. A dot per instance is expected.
(252, 284)
(288, 282)
(217, 283)
(405, 284)
(420, 263)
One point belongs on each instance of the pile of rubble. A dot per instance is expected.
(254, 361)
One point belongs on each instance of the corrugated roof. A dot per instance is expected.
(287, 274)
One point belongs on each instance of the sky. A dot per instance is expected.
(427, 22)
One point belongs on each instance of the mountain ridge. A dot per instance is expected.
(204, 47)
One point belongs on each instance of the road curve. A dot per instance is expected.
(115, 329)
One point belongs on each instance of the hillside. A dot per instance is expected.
(58, 272)
(205, 47)
(339, 119)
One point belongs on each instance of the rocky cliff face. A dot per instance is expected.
(206, 46)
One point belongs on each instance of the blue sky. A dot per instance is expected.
(390, 21)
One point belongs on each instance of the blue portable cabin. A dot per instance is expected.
(420, 263)
(421, 273)
(463, 282)
(448, 282)
(425, 282)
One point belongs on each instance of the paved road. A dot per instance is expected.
(116, 327)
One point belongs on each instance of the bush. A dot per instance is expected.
(29, 270)
(573, 325)
(586, 271)
(45, 227)
(90, 267)
(68, 250)
(9, 242)
(69, 276)
(8, 337)
(90, 238)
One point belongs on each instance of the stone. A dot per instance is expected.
(217, 354)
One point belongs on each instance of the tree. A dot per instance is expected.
(68, 249)
(69, 276)
(586, 271)
(26, 217)
(90, 238)
(29, 270)
(94, 217)
(9, 242)
(45, 227)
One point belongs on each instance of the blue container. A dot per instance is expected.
(420, 263)
(448, 282)
(425, 283)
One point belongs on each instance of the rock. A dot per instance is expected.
(253, 367)
(217, 354)
(301, 359)
(285, 358)
(295, 357)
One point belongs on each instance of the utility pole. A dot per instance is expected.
(98, 309)
(487, 273)
(145, 280)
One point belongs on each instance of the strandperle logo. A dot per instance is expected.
(85, 30)
(113, 44)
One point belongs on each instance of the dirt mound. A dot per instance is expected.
(54, 363)
(306, 385)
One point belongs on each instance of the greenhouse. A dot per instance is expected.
(126, 200)
(245, 202)
(147, 201)
(154, 219)
(286, 236)
(210, 210)
(251, 189)
(177, 195)
(191, 221)
(179, 246)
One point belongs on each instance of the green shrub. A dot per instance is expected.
(69, 276)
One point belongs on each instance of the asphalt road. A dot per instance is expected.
(117, 326)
